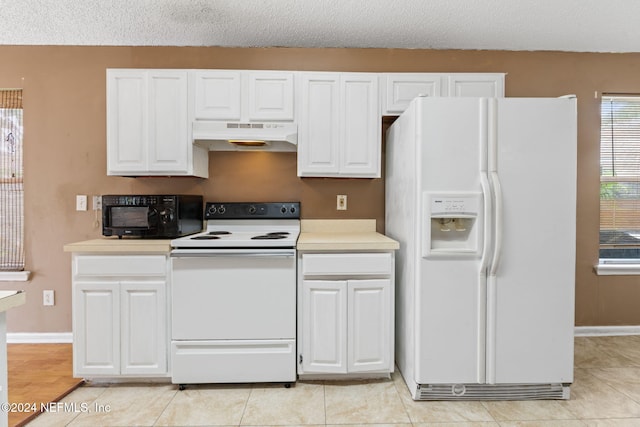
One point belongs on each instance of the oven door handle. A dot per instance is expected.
(189, 253)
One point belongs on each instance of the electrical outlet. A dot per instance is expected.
(97, 203)
(48, 298)
(81, 202)
(341, 202)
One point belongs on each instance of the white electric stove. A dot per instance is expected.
(233, 303)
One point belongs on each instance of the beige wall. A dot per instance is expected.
(64, 103)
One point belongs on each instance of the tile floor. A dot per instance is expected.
(606, 393)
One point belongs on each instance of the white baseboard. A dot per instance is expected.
(605, 331)
(39, 337)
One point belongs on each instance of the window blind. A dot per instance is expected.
(11, 185)
(620, 177)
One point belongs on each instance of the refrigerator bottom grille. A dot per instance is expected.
(491, 392)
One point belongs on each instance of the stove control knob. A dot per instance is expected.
(252, 210)
(222, 210)
(283, 209)
(293, 209)
(212, 210)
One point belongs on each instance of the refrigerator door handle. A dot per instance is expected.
(486, 246)
(497, 241)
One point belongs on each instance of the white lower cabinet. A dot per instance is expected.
(120, 320)
(369, 325)
(96, 328)
(324, 326)
(143, 328)
(345, 320)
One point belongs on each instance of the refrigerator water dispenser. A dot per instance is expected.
(453, 224)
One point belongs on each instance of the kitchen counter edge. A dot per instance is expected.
(340, 241)
(116, 245)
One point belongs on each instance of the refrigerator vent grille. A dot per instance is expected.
(492, 392)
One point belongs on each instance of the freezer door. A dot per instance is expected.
(450, 288)
(530, 300)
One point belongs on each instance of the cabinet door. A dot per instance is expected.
(217, 95)
(370, 323)
(96, 328)
(360, 140)
(400, 89)
(318, 130)
(270, 96)
(324, 326)
(169, 141)
(127, 121)
(481, 85)
(143, 328)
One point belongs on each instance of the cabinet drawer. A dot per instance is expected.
(347, 264)
(117, 265)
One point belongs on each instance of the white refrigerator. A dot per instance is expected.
(481, 195)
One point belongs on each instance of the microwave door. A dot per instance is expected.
(131, 220)
(142, 217)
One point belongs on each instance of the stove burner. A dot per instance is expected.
(219, 233)
(205, 237)
(272, 236)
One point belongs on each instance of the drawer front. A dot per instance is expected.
(120, 265)
(233, 361)
(347, 264)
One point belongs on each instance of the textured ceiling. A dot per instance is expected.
(565, 25)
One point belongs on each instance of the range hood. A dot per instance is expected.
(235, 136)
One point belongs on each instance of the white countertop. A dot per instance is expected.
(342, 235)
(315, 235)
(10, 299)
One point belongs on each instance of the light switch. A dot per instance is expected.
(81, 202)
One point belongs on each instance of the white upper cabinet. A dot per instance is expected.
(477, 84)
(245, 96)
(398, 89)
(217, 95)
(360, 142)
(151, 113)
(318, 125)
(127, 121)
(270, 96)
(148, 125)
(338, 128)
(169, 141)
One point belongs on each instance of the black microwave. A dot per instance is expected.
(151, 216)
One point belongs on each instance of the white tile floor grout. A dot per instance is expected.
(605, 393)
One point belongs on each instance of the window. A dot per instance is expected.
(620, 178)
(11, 187)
